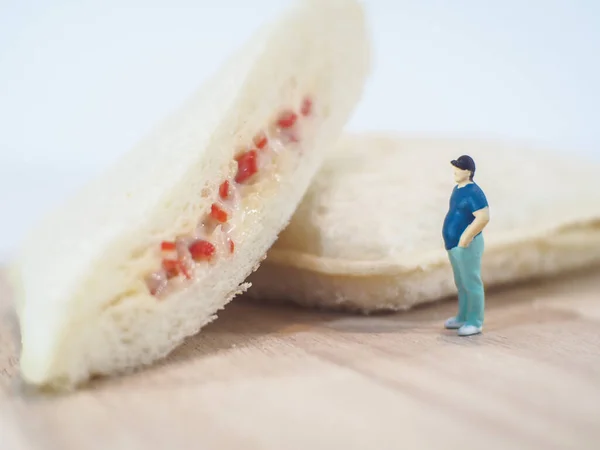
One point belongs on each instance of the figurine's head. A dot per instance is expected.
(464, 169)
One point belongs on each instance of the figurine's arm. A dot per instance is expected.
(482, 217)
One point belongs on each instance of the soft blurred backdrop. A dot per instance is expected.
(82, 81)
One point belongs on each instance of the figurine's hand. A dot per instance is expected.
(464, 243)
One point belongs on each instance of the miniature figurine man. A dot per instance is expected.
(462, 232)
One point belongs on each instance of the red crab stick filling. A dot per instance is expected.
(213, 235)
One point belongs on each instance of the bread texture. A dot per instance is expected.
(368, 233)
(83, 305)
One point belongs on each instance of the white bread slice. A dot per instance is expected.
(368, 234)
(84, 303)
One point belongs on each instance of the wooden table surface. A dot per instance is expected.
(278, 378)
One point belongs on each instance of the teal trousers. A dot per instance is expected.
(466, 265)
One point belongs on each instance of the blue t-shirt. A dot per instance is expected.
(463, 203)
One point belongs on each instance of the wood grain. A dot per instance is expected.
(275, 378)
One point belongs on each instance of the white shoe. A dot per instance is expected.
(453, 324)
(469, 330)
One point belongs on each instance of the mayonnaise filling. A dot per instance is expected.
(214, 236)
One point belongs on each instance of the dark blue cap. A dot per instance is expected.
(464, 162)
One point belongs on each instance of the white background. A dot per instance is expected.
(82, 81)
